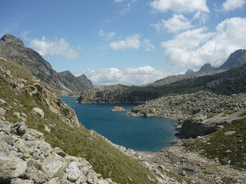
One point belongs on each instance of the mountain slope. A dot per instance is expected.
(13, 48)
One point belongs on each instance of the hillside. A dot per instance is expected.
(13, 48)
(23, 98)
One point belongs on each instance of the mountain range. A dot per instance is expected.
(220, 81)
(235, 60)
(65, 83)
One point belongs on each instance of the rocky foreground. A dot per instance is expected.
(25, 158)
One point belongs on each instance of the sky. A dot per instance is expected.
(131, 42)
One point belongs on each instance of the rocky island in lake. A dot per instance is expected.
(118, 108)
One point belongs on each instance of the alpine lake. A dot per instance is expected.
(137, 133)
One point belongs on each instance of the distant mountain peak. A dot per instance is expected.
(206, 68)
(10, 38)
(189, 72)
(236, 59)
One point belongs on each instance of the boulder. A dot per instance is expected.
(11, 167)
(38, 111)
(72, 171)
(19, 128)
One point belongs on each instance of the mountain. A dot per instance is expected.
(207, 68)
(73, 83)
(13, 48)
(236, 59)
(189, 72)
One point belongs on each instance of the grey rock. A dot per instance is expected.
(59, 152)
(11, 167)
(38, 111)
(2, 112)
(5, 127)
(229, 133)
(3, 102)
(20, 181)
(19, 128)
(72, 171)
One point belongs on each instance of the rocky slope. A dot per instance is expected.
(25, 157)
(13, 48)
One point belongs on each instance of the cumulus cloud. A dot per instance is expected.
(231, 5)
(131, 42)
(58, 47)
(185, 6)
(175, 24)
(126, 76)
(107, 36)
(193, 48)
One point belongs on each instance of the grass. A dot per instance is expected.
(105, 159)
(218, 144)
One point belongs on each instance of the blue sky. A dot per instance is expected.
(127, 41)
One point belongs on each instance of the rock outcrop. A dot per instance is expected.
(25, 157)
(14, 49)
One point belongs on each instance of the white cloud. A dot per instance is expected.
(58, 47)
(131, 42)
(126, 76)
(175, 24)
(108, 36)
(193, 48)
(185, 6)
(231, 5)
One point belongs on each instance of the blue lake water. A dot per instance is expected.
(137, 133)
